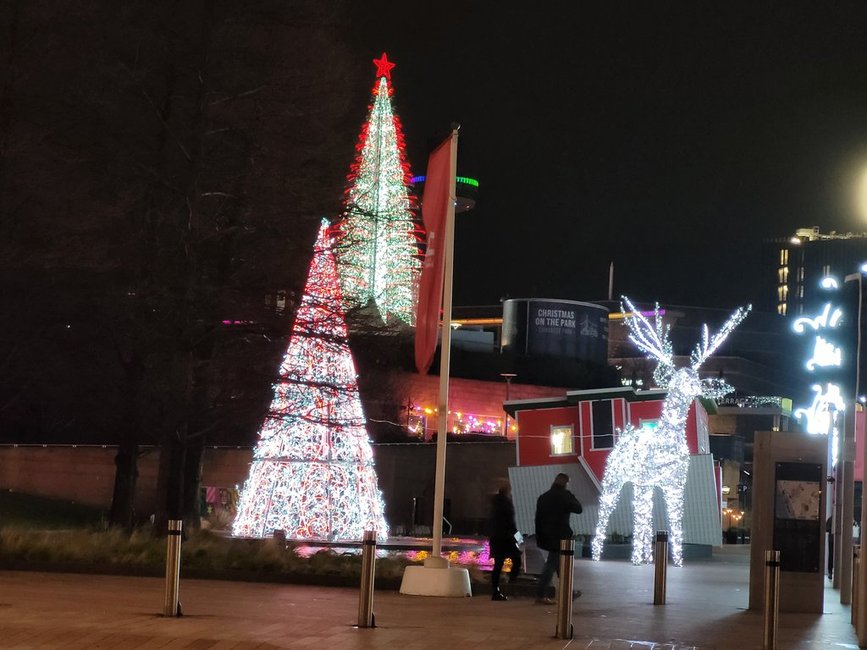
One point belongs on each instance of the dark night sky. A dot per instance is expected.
(669, 139)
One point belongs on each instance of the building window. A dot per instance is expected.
(562, 442)
(784, 274)
(781, 309)
(782, 293)
(784, 256)
(603, 425)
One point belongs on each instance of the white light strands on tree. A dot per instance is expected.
(378, 252)
(312, 474)
(822, 416)
(658, 457)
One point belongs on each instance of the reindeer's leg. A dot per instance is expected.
(607, 502)
(642, 524)
(674, 504)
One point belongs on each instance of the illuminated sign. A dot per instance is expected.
(825, 354)
(466, 180)
(822, 416)
(819, 322)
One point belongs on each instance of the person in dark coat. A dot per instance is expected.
(503, 541)
(553, 509)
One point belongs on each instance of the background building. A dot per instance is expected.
(793, 266)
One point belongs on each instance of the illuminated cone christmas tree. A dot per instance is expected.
(312, 474)
(379, 247)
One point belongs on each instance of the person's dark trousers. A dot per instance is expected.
(552, 566)
(498, 568)
(830, 555)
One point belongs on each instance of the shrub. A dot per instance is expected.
(203, 551)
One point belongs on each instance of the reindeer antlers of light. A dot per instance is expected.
(649, 338)
(708, 345)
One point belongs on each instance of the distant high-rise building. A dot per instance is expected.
(795, 265)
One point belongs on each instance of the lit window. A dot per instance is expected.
(562, 442)
(784, 256)
(781, 309)
(784, 274)
(416, 424)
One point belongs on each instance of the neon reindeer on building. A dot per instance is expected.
(658, 457)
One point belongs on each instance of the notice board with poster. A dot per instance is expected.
(788, 514)
(797, 507)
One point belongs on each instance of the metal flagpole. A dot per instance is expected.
(437, 577)
(860, 597)
(436, 558)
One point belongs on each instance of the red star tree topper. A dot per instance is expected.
(383, 67)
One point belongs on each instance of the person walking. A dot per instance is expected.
(503, 539)
(553, 509)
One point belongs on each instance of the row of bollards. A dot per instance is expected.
(172, 604)
(565, 629)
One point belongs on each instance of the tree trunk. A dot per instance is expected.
(170, 483)
(192, 484)
(122, 513)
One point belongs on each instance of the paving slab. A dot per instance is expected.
(705, 610)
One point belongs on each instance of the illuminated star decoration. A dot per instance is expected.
(383, 67)
(379, 247)
(312, 474)
(658, 457)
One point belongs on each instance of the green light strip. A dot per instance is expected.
(466, 180)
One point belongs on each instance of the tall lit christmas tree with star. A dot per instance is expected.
(312, 474)
(378, 254)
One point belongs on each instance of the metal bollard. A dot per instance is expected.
(660, 561)
(172, 605)
(564, 590)
(368, 569)
(772, 599)
(856, 569)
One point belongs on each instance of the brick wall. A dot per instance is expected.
(83, 474)
(406, 471)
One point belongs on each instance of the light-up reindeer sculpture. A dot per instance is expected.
(658, 457)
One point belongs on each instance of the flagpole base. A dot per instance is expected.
(448, 581)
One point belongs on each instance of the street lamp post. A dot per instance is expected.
(508, 376)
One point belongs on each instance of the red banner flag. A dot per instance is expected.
(434, 207)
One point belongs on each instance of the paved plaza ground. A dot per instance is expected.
(706, 609)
